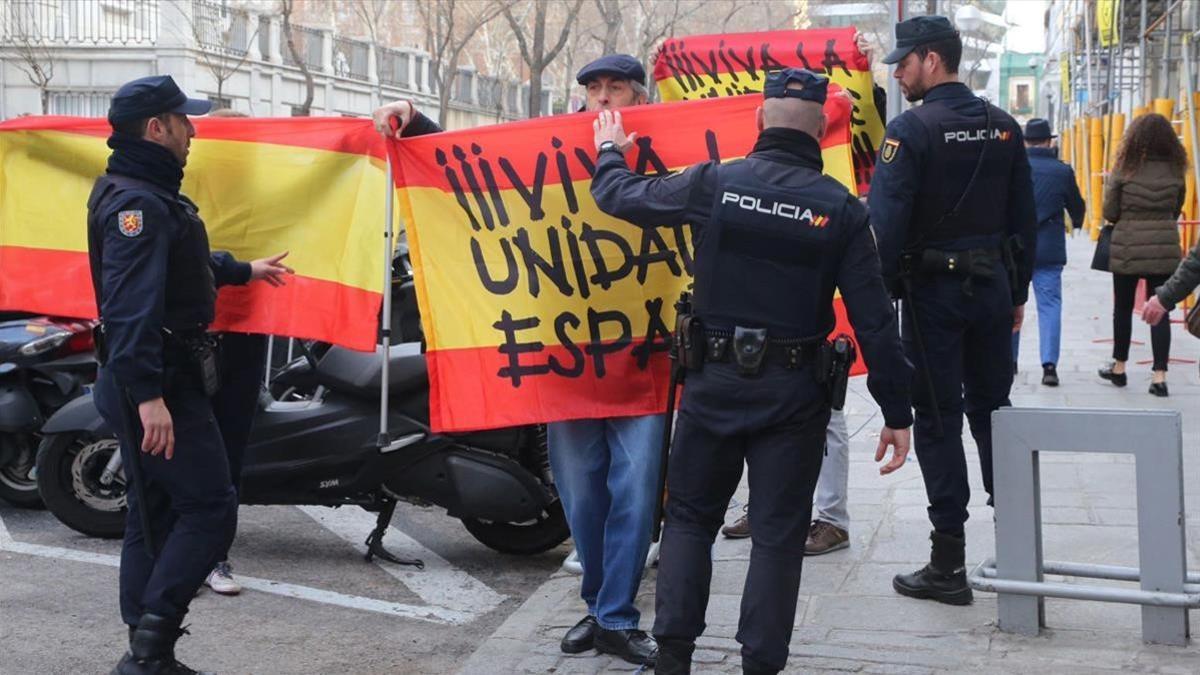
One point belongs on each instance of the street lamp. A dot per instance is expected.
(968, 18)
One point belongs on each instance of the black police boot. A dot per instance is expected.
(152, 649)
(674, 656)
(753, 667)
(944, 579)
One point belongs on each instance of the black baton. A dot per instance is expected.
(134, 425)
(660, 504)
(924, 366)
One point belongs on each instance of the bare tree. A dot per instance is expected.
(611, 14)
(27, 46)
(372, 14)
(499, 45)
(449, 27)
(212, 29)
(533, 46)
(286, 8)
(655, 20)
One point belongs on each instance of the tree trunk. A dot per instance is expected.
(309, 84)
(45, 100)
(535, 91)
(537, 64)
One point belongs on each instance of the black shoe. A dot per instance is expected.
(1159, 389)
(633, 645)
(1049, 375)
(944, 579)
(674, 656)
(1118, 379)
(581, 636)
(152, 649)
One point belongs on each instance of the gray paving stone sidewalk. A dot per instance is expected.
(850, 620)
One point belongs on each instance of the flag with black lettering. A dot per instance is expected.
(710, 66)
(537, 306)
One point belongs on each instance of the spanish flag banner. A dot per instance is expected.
(536, 305)
(710, 66)
(311, 186)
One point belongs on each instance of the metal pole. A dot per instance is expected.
(1164, 88)
(270, 358)
(1087, 147)
(1142, 58)
(895, 105)
(385, 322)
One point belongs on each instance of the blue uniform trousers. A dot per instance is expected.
(776, 424)
(968, 355)
(191, 504)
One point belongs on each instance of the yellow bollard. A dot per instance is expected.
(1116, 132)
(1081, 167)
(1064, 146)
(1095, 171)
(1164, 107)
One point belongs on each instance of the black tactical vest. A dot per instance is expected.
(955, 141)
(768, 257)
(191, 287)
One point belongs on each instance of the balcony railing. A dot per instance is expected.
(308, 46)
(218, 28)
(101, 22)
(350, 58)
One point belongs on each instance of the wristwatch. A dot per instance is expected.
(609, 146)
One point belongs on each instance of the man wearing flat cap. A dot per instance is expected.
(1054, 191)
(952, 205)
(773, 238)
(606, 470)
(155, 282)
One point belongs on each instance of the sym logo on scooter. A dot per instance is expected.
(326, 484)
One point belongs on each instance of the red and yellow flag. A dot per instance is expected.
(311, 186)
(710, 66)
(536, 305)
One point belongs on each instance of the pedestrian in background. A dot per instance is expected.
(1054, 191)
(1142, 199)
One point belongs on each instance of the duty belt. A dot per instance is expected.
(791, 353)
(973, 262)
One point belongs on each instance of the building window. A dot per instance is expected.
(1022, 100)
(220, 102)
(80, 103)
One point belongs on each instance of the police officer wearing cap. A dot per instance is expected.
(773, 238)
(952, 205)
(155, 282)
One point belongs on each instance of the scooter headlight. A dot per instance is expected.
(43, 344)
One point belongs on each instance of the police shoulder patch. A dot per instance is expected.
(890, 147)
(130, 223)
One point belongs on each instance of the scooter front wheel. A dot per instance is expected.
(528, 538)
(17, 484)
(70, 472)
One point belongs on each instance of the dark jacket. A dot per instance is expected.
(1185, 280)
(791, 161)
(1144, 208)
(1054, 190)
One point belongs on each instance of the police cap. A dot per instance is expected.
(150, 96)
(621, 66)
(917, 31)
(1038, 129)
(813, 86)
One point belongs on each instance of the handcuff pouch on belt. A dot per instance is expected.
(842, 356)
(749, 349)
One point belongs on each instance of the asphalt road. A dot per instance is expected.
(314, 606)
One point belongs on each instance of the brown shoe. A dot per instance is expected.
(740, 529)
(824, 537)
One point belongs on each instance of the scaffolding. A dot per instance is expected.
(1141, 60)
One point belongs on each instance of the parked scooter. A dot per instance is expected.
(43, 364)
(324, 449)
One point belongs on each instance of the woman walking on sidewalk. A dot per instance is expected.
(1142, 200)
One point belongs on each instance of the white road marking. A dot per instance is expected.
(455, 612)
(439, 584)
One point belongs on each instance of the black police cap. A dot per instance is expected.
(622, 66)
(814, 87)
(1038, 129)
(917, 31)
(150, 96)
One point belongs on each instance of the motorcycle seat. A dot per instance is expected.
(362, 372)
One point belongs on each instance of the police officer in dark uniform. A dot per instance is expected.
(952, 205)
(773, 238)
(155, 283)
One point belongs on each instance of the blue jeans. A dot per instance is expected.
(607, 475)
(1047, 288)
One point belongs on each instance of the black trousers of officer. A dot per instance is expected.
(243, 363)
(776, 423)
(968, 354)
(191, 504)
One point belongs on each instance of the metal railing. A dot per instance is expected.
(308, 45)
(80, 103)
(462, 86)
(393, 68)
(350, 58)
(77, 22)
(218, 28)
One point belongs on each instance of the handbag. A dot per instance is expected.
(1192, 321)
(1100, 258)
